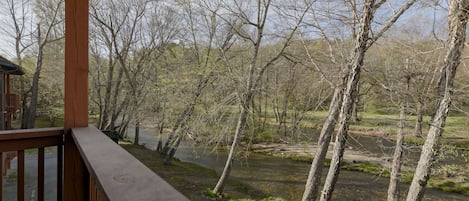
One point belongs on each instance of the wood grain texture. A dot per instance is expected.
(76, 64)
(117, 174)
(76, 96)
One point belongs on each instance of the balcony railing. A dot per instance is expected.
(112, 173)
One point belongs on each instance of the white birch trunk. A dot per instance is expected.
(457, 20)
(315, 173)
(393, 189)
(354, 67)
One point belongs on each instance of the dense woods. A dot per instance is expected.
(236, 73)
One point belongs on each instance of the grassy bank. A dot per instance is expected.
(440, 182)
(190, 179)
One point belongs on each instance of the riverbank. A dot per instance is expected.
(263, 175)
(190, 179)
(372, 163)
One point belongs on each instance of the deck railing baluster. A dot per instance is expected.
(40, 174)
(20, 178)
(59, 171)
(1, 179)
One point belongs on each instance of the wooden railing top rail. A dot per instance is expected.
(13, 140)
(30, 133)
(117, 173)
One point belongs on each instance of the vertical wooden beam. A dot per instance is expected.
(76, 63)
(7, 92)
(76, 96)
(2, 101)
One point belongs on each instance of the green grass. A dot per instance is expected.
(44, 122)
(372, 123)
(371, 168)
(190, 179)
(449, 186)
(265, 199)
(211, 194)
(35, 151)
(436, 182)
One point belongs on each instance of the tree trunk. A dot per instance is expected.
(35, 86)
(173, 149)
(266, 101)
(180, 122)
(161, 125)
(107, 96)
(137, 132)
(24, 104)
(419, 119)
(276, 99)
(393, 189)
(229, 161)
(356, 100)
(159, 147)
(457, 20)
(354, 66)
(115, 108)
(186, 114)
(315, 173)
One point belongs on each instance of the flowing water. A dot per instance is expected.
(286, 178)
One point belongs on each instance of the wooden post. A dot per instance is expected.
(76, 96)
(3, 100)
(7, 95)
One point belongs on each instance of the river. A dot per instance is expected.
(286, 178)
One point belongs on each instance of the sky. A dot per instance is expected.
(7, 47)
(417, 22)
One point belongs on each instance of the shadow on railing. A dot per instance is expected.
(114, 174)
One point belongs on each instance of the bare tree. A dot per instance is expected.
(50, 15)
(458, 15)
(256, 68)
(203, 24)
(362, 42)
(18, 14)
(393, 189)
(134, 39)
